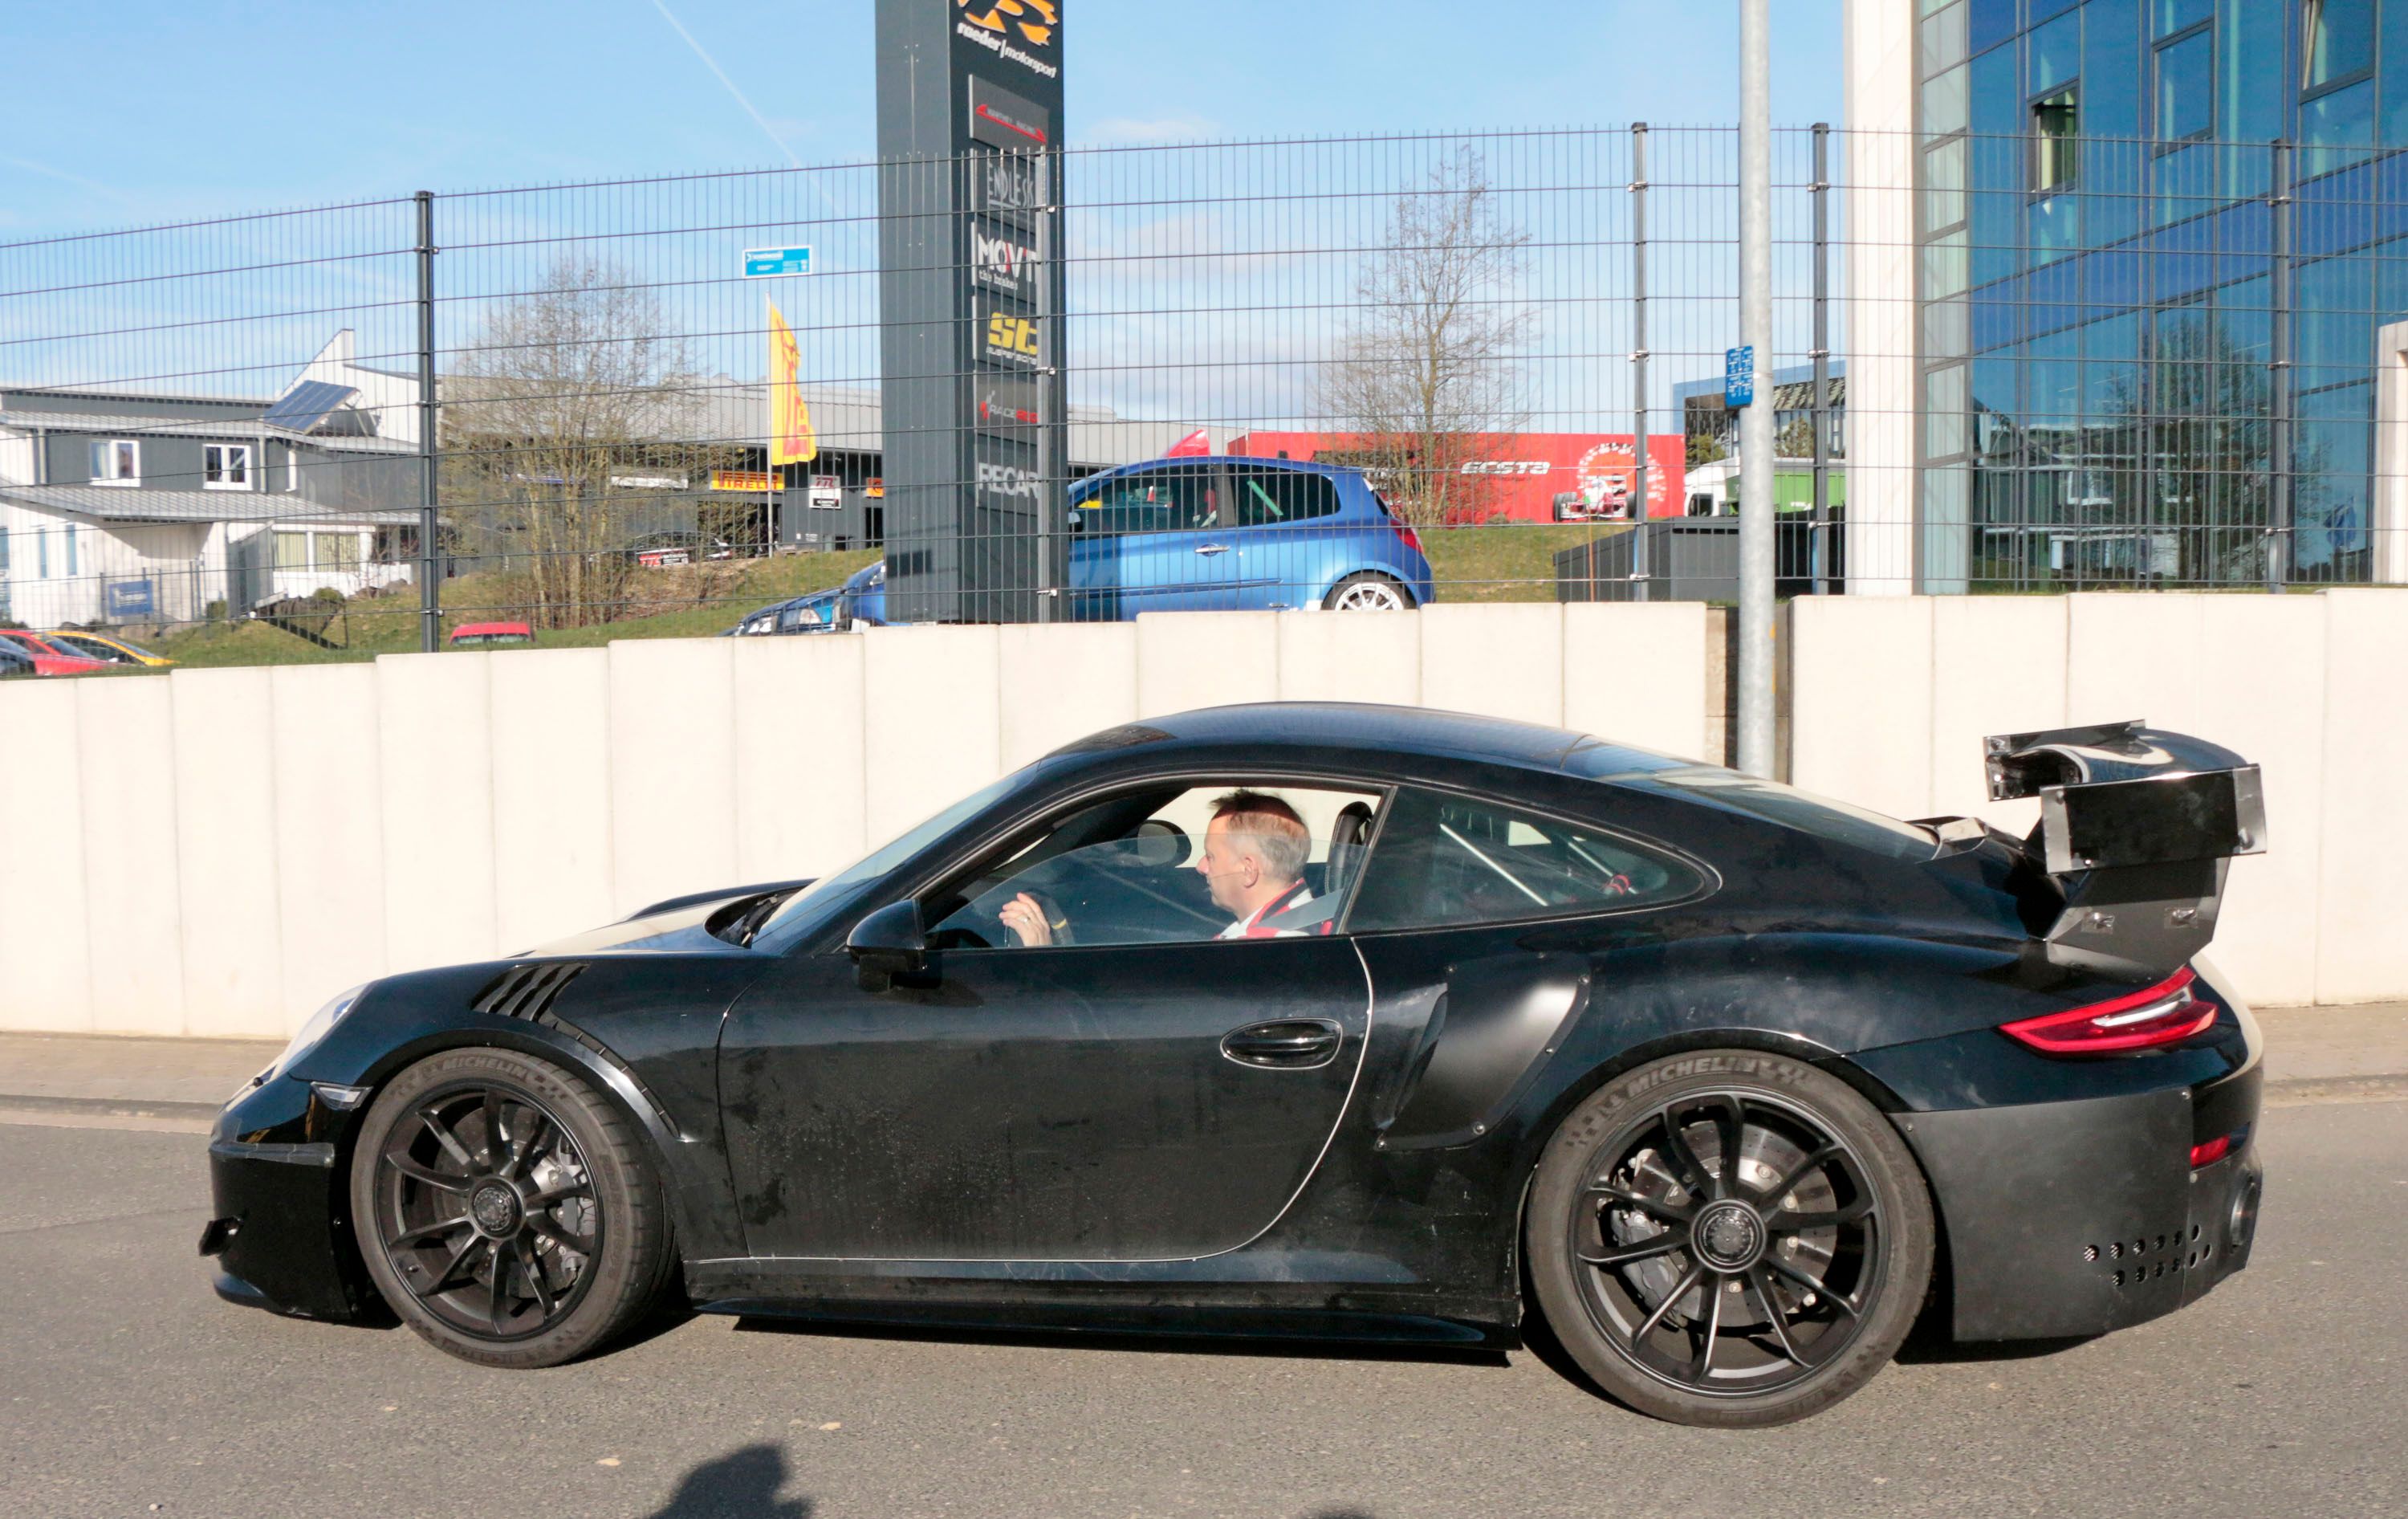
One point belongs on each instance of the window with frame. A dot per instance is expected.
(1270, 497)
(2336, 44)
(338, 553)
(292, 550)
(116, 461)
(1168, 500)
(2055, 125)
(2186, 68)
(225, 466)
(1148, 867)
(1443, 861)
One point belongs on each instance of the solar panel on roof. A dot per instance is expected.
(308, 404)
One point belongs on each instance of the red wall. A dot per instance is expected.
(1529, 469)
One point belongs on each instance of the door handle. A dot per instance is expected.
(1284, 1044)
(1214, 548)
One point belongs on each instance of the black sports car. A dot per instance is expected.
(1330, 1022)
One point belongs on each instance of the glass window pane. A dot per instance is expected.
(1943, 267)
(1944, 104)
(1946, 329)
(2055, 52)
(1451, 860)
(2254, 95)
(1943, 425)
(2336, 320)
(2055, 121)
(1944, 40)
(1944, 185)
(1998, 94)
(2338, 40)
(2167, 16)
(1988, 23)
(2186, 106)
(2394, 53)
(2111, 69)
(1268, 497)
(2338, 128)
(293, 550)
(238, 464)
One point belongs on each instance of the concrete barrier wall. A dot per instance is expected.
(218, 852)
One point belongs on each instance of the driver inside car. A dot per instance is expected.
(1252, 863)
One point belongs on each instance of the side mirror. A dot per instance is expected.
(890, 942)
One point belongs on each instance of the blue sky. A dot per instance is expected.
(152, 110)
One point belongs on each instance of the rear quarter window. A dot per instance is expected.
(1443, 860)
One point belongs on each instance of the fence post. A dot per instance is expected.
(2278, 503)
(430, 600)
(1818, 530)
(1639, 566)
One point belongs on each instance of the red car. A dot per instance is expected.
(491, 635)
(49, 658)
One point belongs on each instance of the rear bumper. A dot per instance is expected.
(2071, 1219)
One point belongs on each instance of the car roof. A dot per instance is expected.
(1301, 467)
(1360, 727)
(469, 630)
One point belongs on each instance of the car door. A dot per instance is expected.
(1135, 1100)
(1287, 535)
(1157, 538)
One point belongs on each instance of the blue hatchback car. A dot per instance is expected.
(1218, 535)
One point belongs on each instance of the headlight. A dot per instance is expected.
(320, 1024)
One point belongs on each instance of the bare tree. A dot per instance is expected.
(1431, 360)
(564, 388)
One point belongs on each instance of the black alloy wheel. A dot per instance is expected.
(1729, 1239)
(486, 1210)
(506, 1211)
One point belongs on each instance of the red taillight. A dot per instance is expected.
(2166, 1013)
(1412, 539)
(2211, 1151)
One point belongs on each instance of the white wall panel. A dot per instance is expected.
(1064, 681)
(1502, 660)
(551, 794)
(434, 740)
(799, 723)
(1351, 656)
(1998, 665)
(329, 833)
(1636, 672)
(1191, 660)
(672, 768)
(1860, 680)
(2361, 953)
(45, 951)
(126, 751)
(226, 852)
(935, 721)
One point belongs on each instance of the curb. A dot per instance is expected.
(108, 1107)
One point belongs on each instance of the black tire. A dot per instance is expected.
(562, 1238)
(1367, 584)
(1640, 1272)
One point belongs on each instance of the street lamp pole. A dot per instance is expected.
(1757, 529)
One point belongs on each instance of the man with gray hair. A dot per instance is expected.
(1255, 850)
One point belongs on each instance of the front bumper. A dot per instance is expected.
(282, 1233)
(2071, 1219)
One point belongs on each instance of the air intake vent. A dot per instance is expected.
(528, 991)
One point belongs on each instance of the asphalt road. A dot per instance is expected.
(125, 1388)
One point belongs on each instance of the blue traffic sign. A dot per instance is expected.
(1738, 376)
(772, 262)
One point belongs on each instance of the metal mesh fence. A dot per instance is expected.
(1350, 373)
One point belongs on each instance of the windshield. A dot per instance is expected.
(806, 909)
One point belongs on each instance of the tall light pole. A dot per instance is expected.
(1756, 529)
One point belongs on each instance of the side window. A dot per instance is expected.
(1269, 497)
(1166, 500)
(1445, 860)
(1178, 862)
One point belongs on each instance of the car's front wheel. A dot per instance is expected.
(506, 1211)
(1730, 1238)
(1368, 591)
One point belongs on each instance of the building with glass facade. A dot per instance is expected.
(2157, 258)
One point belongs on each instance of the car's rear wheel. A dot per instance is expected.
(1730, 1238)
(506, 1212)
(1368, 591)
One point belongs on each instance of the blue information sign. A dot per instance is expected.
(771, 262)
(131, 598)
(1738, 376)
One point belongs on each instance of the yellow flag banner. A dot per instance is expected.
(790, 439)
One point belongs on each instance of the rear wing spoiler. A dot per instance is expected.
(2135, 827)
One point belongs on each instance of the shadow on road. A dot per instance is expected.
(1159, 1342)
(742, 1485)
